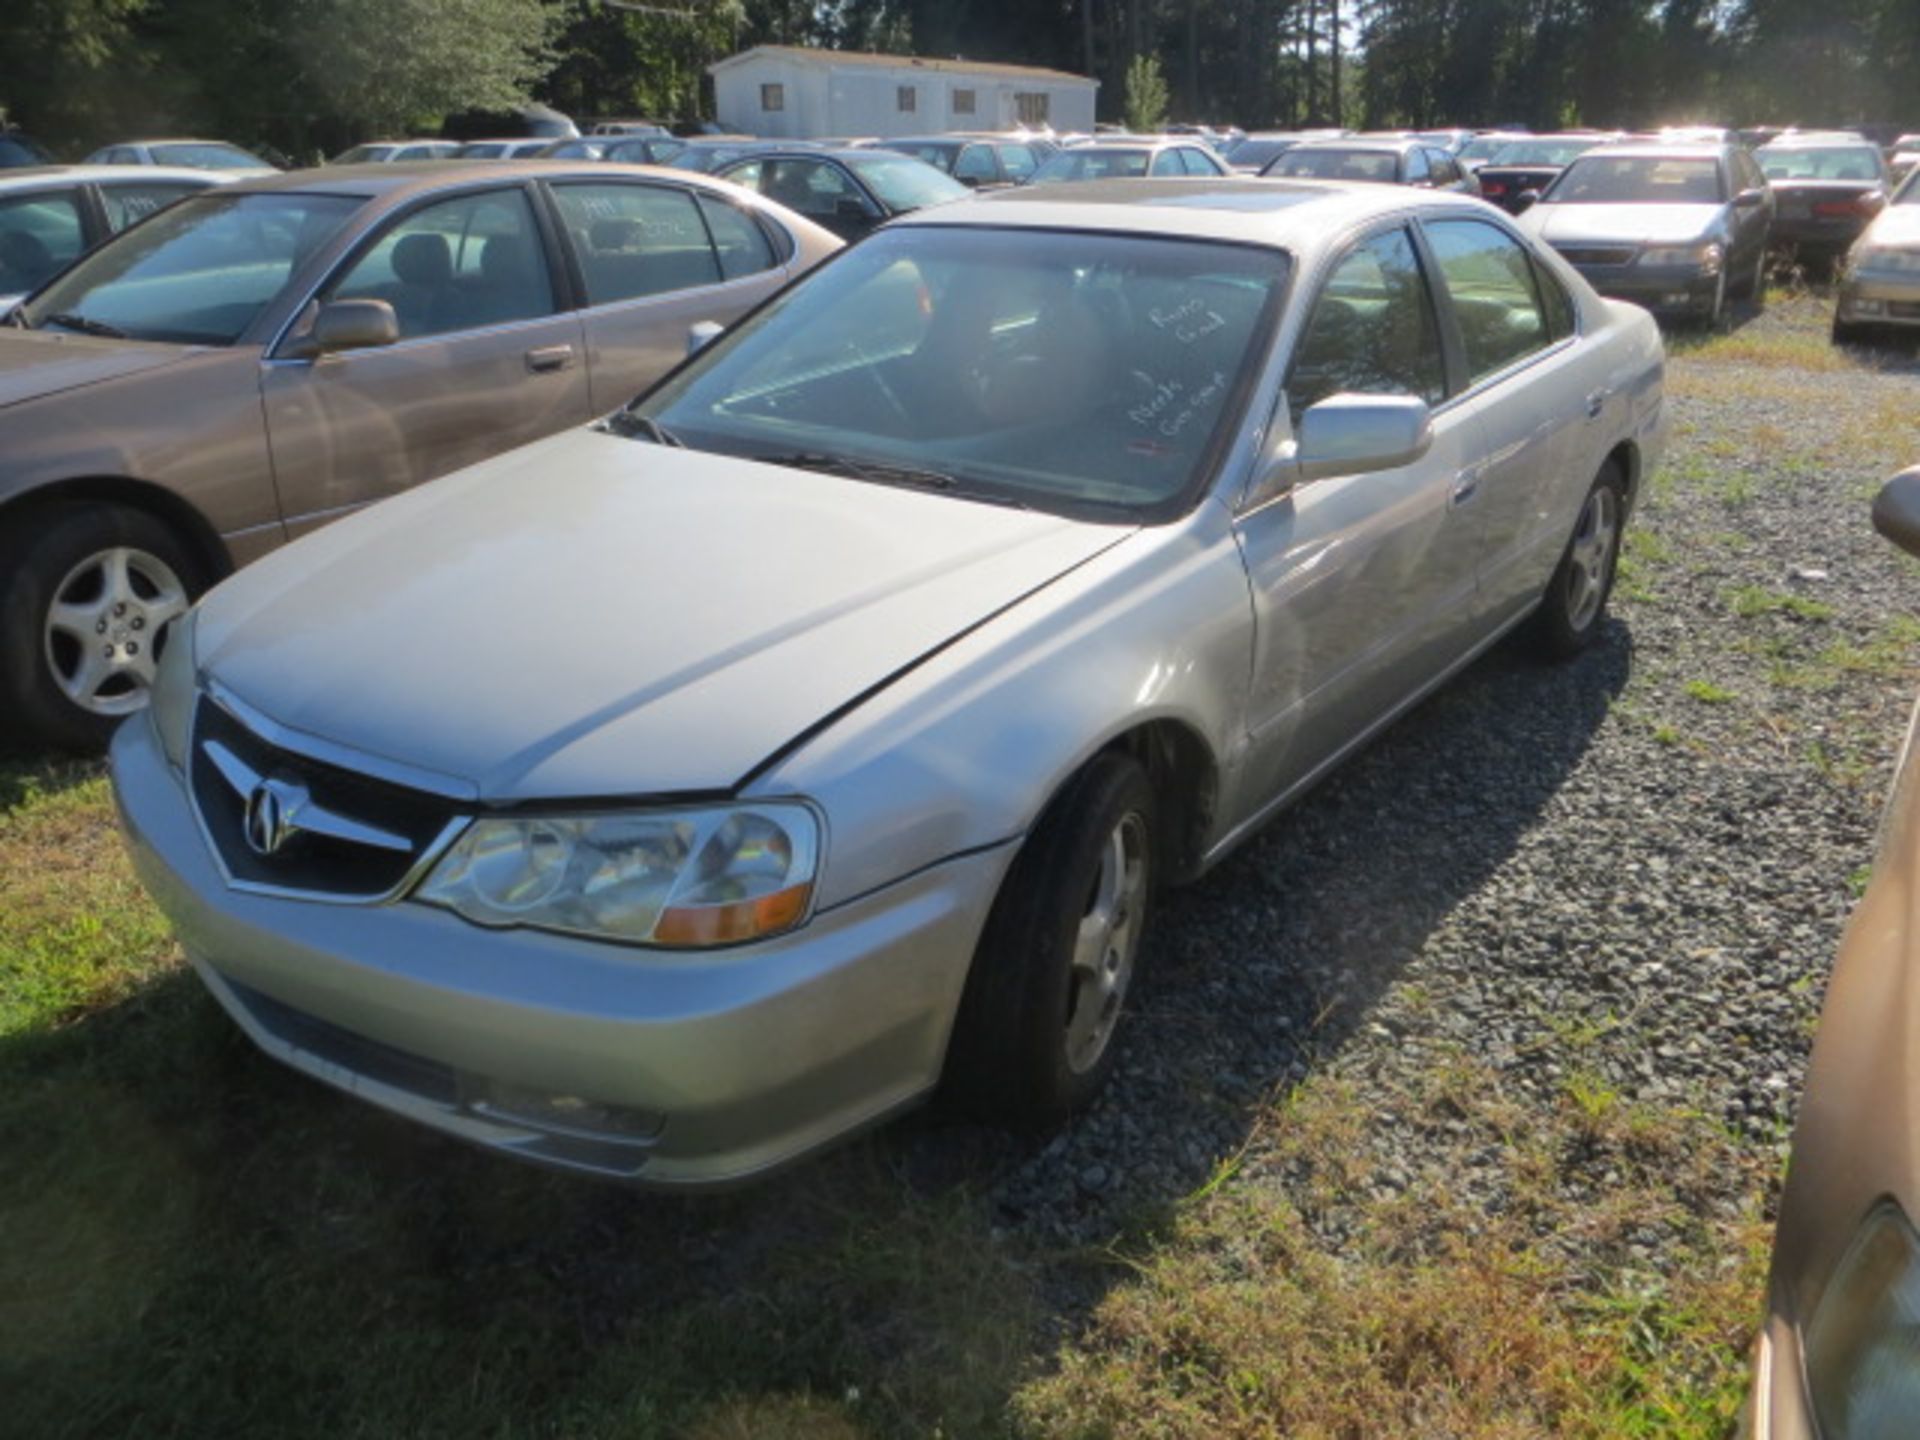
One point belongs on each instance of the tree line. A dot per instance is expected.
(311, 76)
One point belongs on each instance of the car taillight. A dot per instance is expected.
(1868, 205)
(1493, 187)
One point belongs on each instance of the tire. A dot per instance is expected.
(1034, 1039)
(56, 688)
(1754, 290)
(1574, 608)
(1716, 314)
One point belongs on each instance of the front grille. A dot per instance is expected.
(392, 827)
(400, 1069)
(1596, 254)
(1904, 309)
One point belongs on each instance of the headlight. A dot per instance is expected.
(1883, 259)
(170, 705)
(666, 877)
(1863, 1347)
(1705, 257)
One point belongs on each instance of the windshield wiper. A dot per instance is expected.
(630, 426)
(886, 473)
(86, 325)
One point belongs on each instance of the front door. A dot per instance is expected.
(1363, 585)
(485, 361)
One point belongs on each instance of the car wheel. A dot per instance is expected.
(1716, 313)
(1575, 604)
(1755, 290)
(86, 592)
(1034, 1037)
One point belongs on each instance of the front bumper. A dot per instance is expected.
(1866, 297)
(671, 1069)
(1676, 290)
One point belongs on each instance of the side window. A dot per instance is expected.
(1416, 167)
(1562, 320)
(1018, 161)
(1196, 163)
(457, 265)
(808, 187)
(1372, 330)
(39, 235)
(635, 240)
(1167, 162)
(742, 245)
(128, 203)
(1445, 172)
(1489, 280)
(976, 164)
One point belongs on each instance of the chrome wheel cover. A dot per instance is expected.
(1106, 943)
(1590, 558)
(101, 629)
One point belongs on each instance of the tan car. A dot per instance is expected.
(254, 362)
(1839, 1357)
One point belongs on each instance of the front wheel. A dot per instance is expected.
(1575, 604)
(86, 592)
(1034, 1038)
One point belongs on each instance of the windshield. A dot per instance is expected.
(197, 273)
(1485, 147)
(1090, 164)
(1080, 373)
(1254, 153)
(1554, 153)
(1638, 179)
(1376, 165)
(202, 156)
(902, 183)
(361, 154)
(1829, 162)
(941, 157)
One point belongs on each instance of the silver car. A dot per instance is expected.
(671, 797)
(1880, 282)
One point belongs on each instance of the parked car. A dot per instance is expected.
(1526, 167)
(1837, 1355)
(1880, 283)
(51, 216)
(180, 154)
(620, 149)
(708, 153)
(256, 360)
(1826, 191)
(1384, 162)
(388, 152)
(1451, 141)
(19, 149)
(1251, 154)
(503, 149)
(1131, 159)
(1678, 228)
(846, 191)
(1488, 143)
(976, 161)
(1904, 158)
(669, 799)
(631, 127)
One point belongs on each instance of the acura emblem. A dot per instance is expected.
(272, 809)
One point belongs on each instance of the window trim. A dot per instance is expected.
(906, 99)
(957, 108)
(1463, 386)
(776, 90)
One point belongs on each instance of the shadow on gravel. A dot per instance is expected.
(201, 1242)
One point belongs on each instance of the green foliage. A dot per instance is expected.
(613, 62)
(1146, 95)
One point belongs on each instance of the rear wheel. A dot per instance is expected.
(86, 592)
(1571, 612)
(1034, 1038)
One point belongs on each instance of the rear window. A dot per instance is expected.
(207, 157)
(1382, 166)
(1826, 163)
(1087, 164)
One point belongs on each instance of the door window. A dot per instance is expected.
(1445, 172)
(1489, 280)
(742, 245)
(1561, 316)
(128, 203)
(1018, 161)
(809, 187)
(636, 240)
(39, 235)
(1197, 163)
(458, 265)
(1416, 164)
(976, 164)
(1372, 331)
(1167, 162)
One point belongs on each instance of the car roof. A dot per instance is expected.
(175, 140)
(1295, 215)
(398, 181)
(1140, 142)
(54, 176)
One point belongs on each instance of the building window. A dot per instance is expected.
(963, 102)
(1032, 109)
(909, 99)
(773, 97)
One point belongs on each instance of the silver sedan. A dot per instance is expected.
(669, 798)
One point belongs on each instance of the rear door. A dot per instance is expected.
(41, 233)
(652, 261)
(487, 359)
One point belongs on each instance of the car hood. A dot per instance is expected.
(1897, 225)
(37, 363)
(1625, 224)
(595, 616)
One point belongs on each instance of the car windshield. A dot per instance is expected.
(1553, 153)
(903, 183)
(938, 155)
(205, 156)
(1377, 165)
(1087, 374)
(1087, 163)
(1254, 153)
(361, 154)
(1485, 147)
(1638, 179)
(1827, 162)
(197, 273)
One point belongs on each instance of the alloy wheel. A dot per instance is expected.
(1106, 943)
(1592, 556)
(102, 631)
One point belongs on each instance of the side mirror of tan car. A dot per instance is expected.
(1345, 434)
(1896, 510)
(352, 325)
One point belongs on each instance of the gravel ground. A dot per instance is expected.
(1627, 872)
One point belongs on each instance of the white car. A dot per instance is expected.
(190, 154)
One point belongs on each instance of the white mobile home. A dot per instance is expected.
(793, 93)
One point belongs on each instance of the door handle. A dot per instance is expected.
(1596, 402)
(549, 357)
(1465, 485)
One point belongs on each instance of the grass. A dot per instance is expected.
(1708, 693)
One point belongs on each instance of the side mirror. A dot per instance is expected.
(1747, 199)
(1354, 434)
(352, 325)
(1525, 200)
(1896, 510)
(702, 334)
